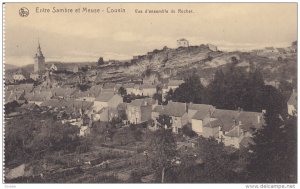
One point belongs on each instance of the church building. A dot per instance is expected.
(39, 60)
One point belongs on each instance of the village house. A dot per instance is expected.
(204, 109)
(38, 96)
(35, 76)
(205, 126)
(60, 67)
(17, 92)
(26, 87)
(139, 110)
(292, 104)
(88, 95)
(105, 106)
(148, 90)
(11, 96)
(235, 125)
(176, 110)
(107, 99)
(62, 92)
(174, 84)
(110, 87)
(20, 75)
(130, 88)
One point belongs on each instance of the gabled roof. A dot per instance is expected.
(234, 132)
(211, 122)
(293, 99)
(246, 141)
(201, 114)
(142, 102)
(203, 110)
(69, 104)
(226, 117)
(13, 95)
(229, 118)
(104, 96)
(175, 109)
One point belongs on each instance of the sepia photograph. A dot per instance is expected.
(201, 93)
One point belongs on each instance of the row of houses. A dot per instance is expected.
(102, 103)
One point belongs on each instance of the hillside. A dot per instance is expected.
(180, 62)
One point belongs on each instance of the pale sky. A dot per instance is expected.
(87, 36)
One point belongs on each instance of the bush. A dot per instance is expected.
(188, 131)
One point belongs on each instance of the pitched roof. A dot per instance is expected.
(142, 102)
(68, 104)
(104, 96)
(13, 95)
(234, 132)
(293, 99)
(226, 117)
(201, 114)
(229, 118)
(203, 110)
(246, 141)
(176, 109)
(212, 123)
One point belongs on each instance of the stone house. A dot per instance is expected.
(176, 110)
(139, 110)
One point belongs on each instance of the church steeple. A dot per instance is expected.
(39, 63)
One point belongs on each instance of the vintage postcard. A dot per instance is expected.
(150, 93)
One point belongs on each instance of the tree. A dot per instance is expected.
(122, 91)
(100, 61)
(190, 91)
(274, 152)
(162, 149)
(164, 121)
(210, 163)
(158, 97)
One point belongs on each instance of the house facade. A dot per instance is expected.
(176, 110)
(139, 110)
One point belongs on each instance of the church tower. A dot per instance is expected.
(39, 60)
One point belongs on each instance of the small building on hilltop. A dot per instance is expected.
(182, 43)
